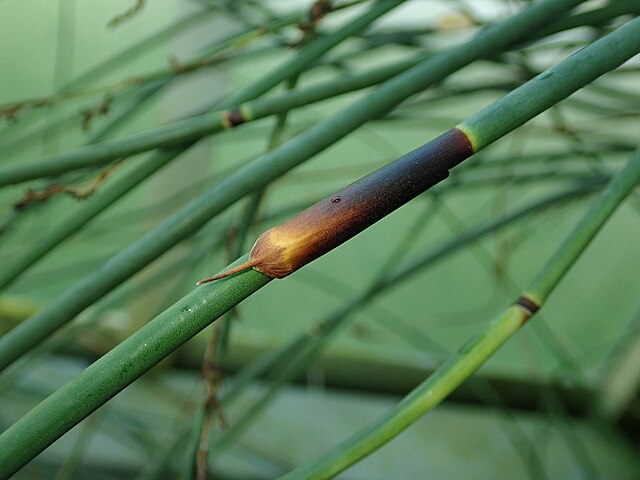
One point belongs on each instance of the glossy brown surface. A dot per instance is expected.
(336, 219)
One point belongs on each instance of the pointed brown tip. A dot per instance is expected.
(243, 266)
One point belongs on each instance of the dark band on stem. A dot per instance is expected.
(529, 305)
(232, 117)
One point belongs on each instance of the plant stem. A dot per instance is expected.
(553, 85)
(450, 375)
(596, 17)
(122, 365)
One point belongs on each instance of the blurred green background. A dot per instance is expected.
(542, 422)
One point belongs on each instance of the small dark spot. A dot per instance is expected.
(184, 309)
(336, 199)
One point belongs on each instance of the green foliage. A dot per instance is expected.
(346, 75)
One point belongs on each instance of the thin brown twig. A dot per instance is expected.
(127, 15)
(99, 110)
(318, 10)
(10, 111)
(37, 196)
(212, 375)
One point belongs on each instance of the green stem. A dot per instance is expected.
(553, 85)
(596, 17)
(471, 356)
(122, 365)
(564, 258)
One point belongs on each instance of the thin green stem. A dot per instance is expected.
(192, 129)
(122, 365)
(565, 257)
(553, 85)
(596, 17)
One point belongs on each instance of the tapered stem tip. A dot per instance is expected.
(244, 266)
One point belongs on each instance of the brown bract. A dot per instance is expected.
(319, 229)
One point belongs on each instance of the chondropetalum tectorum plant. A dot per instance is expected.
(302, 239)
(261, 171)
